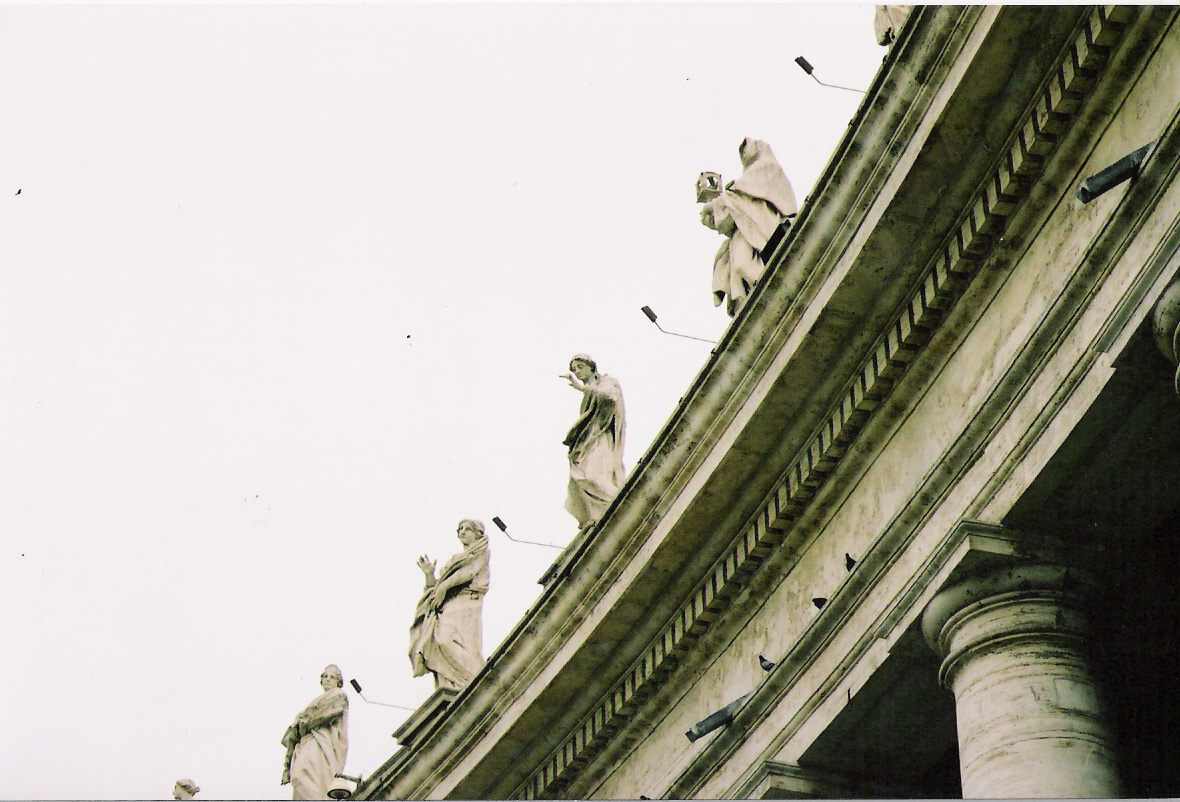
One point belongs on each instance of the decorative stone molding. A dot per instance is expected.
(943, 282)
(1165, 325)
(1029, 714)
(775, 780)
(425, 717)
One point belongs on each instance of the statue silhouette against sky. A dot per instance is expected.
(595, 442)
(446, 637)
(317, 743)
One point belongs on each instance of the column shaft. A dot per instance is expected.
(1028, 709)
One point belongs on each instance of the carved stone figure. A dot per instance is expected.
(887, 22)
(317, 743)
(595, 442)
(446, 637)
(185, 789)
(748, 211)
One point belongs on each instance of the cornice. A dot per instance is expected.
(526, 659)
(693, 429)
(942, 283)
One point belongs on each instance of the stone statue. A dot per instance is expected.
(749, 212)
(317, 742)
(185, 789)
(887, 22)
(446, 637)
(595, 442)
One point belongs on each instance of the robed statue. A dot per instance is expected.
(317, 743)
(446, 637)
(595, 442)
(752, 212)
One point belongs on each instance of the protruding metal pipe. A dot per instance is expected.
(722, 718)
(1122, 170)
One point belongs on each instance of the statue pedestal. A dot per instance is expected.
(424, 717)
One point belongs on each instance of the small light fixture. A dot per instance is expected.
(646, 310)
(343, 786)
(356, 686)
(805, 65)
(503, 527)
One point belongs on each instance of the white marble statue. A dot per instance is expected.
(446, 637)
(185, 789)
(887, 22)
(317, 743)
(595, 442)
(747, 211)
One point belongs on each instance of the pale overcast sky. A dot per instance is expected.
(286, 292)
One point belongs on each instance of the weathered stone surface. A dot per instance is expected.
(887, 21)
(1030, 720)
(1165, 325)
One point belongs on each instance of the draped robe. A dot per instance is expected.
(449, 642)
(747, 212)
(596, 450)
(317, 745)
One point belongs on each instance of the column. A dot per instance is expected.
(1028, 710)
(1165, 325)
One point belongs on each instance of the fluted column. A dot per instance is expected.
(1028, 711)
(1165, 325)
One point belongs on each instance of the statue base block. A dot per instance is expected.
(424, 718)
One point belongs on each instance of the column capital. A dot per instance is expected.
(1028, 710)
(1003, 605)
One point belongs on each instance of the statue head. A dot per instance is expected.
(332, 677)
(588, 367)
(751, 149)
(185, 789)
(708, 186)
(470, 532)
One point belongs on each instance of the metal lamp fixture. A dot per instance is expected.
(652, 317)
(805, 65)
(503, 527)
(343, 786)
(356, 686)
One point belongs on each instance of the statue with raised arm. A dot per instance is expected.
(752, 213)
(317, 743)
(595, 442)
(446, 637)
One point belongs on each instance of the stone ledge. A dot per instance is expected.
(425, 717)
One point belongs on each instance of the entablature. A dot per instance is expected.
(877, 256)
